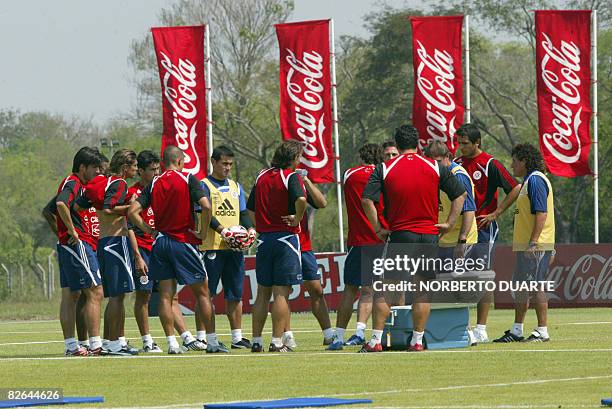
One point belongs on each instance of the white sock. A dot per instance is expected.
(71, 344)
(480, 327)
(258, 340)
(95, 342)
(122, 340)
(236, 335)
(543, 331)
(147, 339)
(211, 339)
(187, 337)
(360, 331)
(84, 343)
(277, 342)
(417, 338)
(172, 342)
(517, 329)
(328, 333)
(115, 345)
(288, 334)
(376, 337)
(340, 333)
(201, 335)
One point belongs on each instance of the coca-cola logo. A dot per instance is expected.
(184, 111)
(306, 92)
(589, 279)
(563, 81)
(434, 79)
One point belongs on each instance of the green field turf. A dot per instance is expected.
(573, 370)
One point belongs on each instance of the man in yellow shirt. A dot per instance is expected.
(533, 240)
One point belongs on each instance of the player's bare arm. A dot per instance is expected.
(139, 262)
(134, 217)
(317, 197)
(456, 206)
(510, 198)
(64, 213)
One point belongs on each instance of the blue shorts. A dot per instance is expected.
(310, 268)
(278, 260)
(148, 287)
(485, 247)
(173, 260)
(78, 266)
(117, 265)
(531, 266)
(352, 266)
(226, 266)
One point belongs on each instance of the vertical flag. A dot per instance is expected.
(180, 59)
(563, 58)
(437, 109)
(305, 94)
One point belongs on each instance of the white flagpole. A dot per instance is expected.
(595, 125)
(337, 147)
(209, 132)
(468, 103)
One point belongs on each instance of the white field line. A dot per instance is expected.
(585, 323)
(305, 354)
(200, 406)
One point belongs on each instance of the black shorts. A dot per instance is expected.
(414, 245)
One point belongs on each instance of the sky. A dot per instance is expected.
(71, 56)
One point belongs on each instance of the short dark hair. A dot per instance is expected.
(103, 158)
(147, 157)
(172, 154)
(436, 149)
(371, 153)
(120, 158)
(222, 150)
(85, 156)
(388, 144)
(471, 131)
(530, 155)
(406, 137)
(286, 154)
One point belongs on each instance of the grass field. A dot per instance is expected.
(573, 370)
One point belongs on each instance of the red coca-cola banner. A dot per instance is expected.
(563, 61)
(437, 108)
(305, 94)
(180, 59)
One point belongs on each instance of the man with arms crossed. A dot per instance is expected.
(174, 255)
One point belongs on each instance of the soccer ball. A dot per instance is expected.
(237, 237)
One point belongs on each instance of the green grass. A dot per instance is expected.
(573, 370)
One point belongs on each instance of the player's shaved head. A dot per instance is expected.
(172, 155)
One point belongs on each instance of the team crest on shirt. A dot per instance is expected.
(150, 211)
(477, 175)
(234, 194)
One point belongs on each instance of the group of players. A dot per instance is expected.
(170, 228)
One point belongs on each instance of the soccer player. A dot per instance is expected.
(533, 240)
(360, 234)
(79, 270)
(174, 255)
(109, 196)
(310, 269)
(277, 192)
(390, 150)
(410, 185)
(223, 264)
(488, 175)
(91, 222)
(464, 234)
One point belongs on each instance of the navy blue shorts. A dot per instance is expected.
(226, 266)
(173, 260)
(78, 266)
(117, 265)
(278, 260)
(485, 247)
(310, 268)
(148, 287)
(352, 266)
(531, 266)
